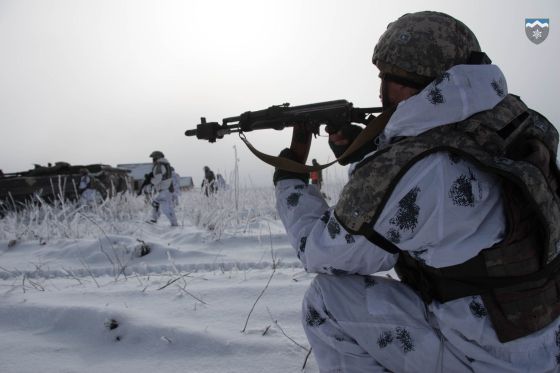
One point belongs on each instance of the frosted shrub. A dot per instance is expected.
(65, 219)
(235, 211)
(228, 210)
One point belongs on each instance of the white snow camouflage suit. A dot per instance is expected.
(358, 322)
(162, 201)
(88, 194)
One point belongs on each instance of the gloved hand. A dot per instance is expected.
(341, 140)
(280, 174)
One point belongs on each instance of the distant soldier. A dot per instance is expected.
(316, 176)
(209, 182)
(163, 189)
(220, 182)
(176, 182)
(87, 193)
(146, 185)
(146, 188)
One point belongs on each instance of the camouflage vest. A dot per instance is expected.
(163, 168)
(166, 173)
(518, 278)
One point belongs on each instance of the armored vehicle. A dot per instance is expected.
(60, 182)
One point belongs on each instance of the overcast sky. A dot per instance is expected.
(109, 81)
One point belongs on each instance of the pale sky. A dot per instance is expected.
(109, 81)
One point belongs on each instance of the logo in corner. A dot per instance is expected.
(536, 29)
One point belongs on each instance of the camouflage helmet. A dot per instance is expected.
(156, 154)
(419, 47)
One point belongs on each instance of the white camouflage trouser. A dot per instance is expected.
(376, 324)
(88, 197)
(162, 203)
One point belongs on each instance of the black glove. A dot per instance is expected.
(280, 174)
(351, 132)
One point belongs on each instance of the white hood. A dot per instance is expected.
(463, 90)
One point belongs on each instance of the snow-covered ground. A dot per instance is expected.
(220, 293)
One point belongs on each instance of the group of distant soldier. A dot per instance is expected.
(162, 187)
(212, 183)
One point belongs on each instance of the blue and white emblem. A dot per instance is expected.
(536, 29)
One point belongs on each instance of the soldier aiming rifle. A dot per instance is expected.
(456, 188)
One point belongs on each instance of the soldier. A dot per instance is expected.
(316, 176)
(146, 188)
(163, 188)
(176, 181)
(461, 198)
(87, 193)
(209, 182)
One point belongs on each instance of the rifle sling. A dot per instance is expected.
(371, 131)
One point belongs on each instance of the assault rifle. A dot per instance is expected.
(334, 114)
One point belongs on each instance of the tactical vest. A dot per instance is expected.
(518, 278)
(163, 168)
(166, 173)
